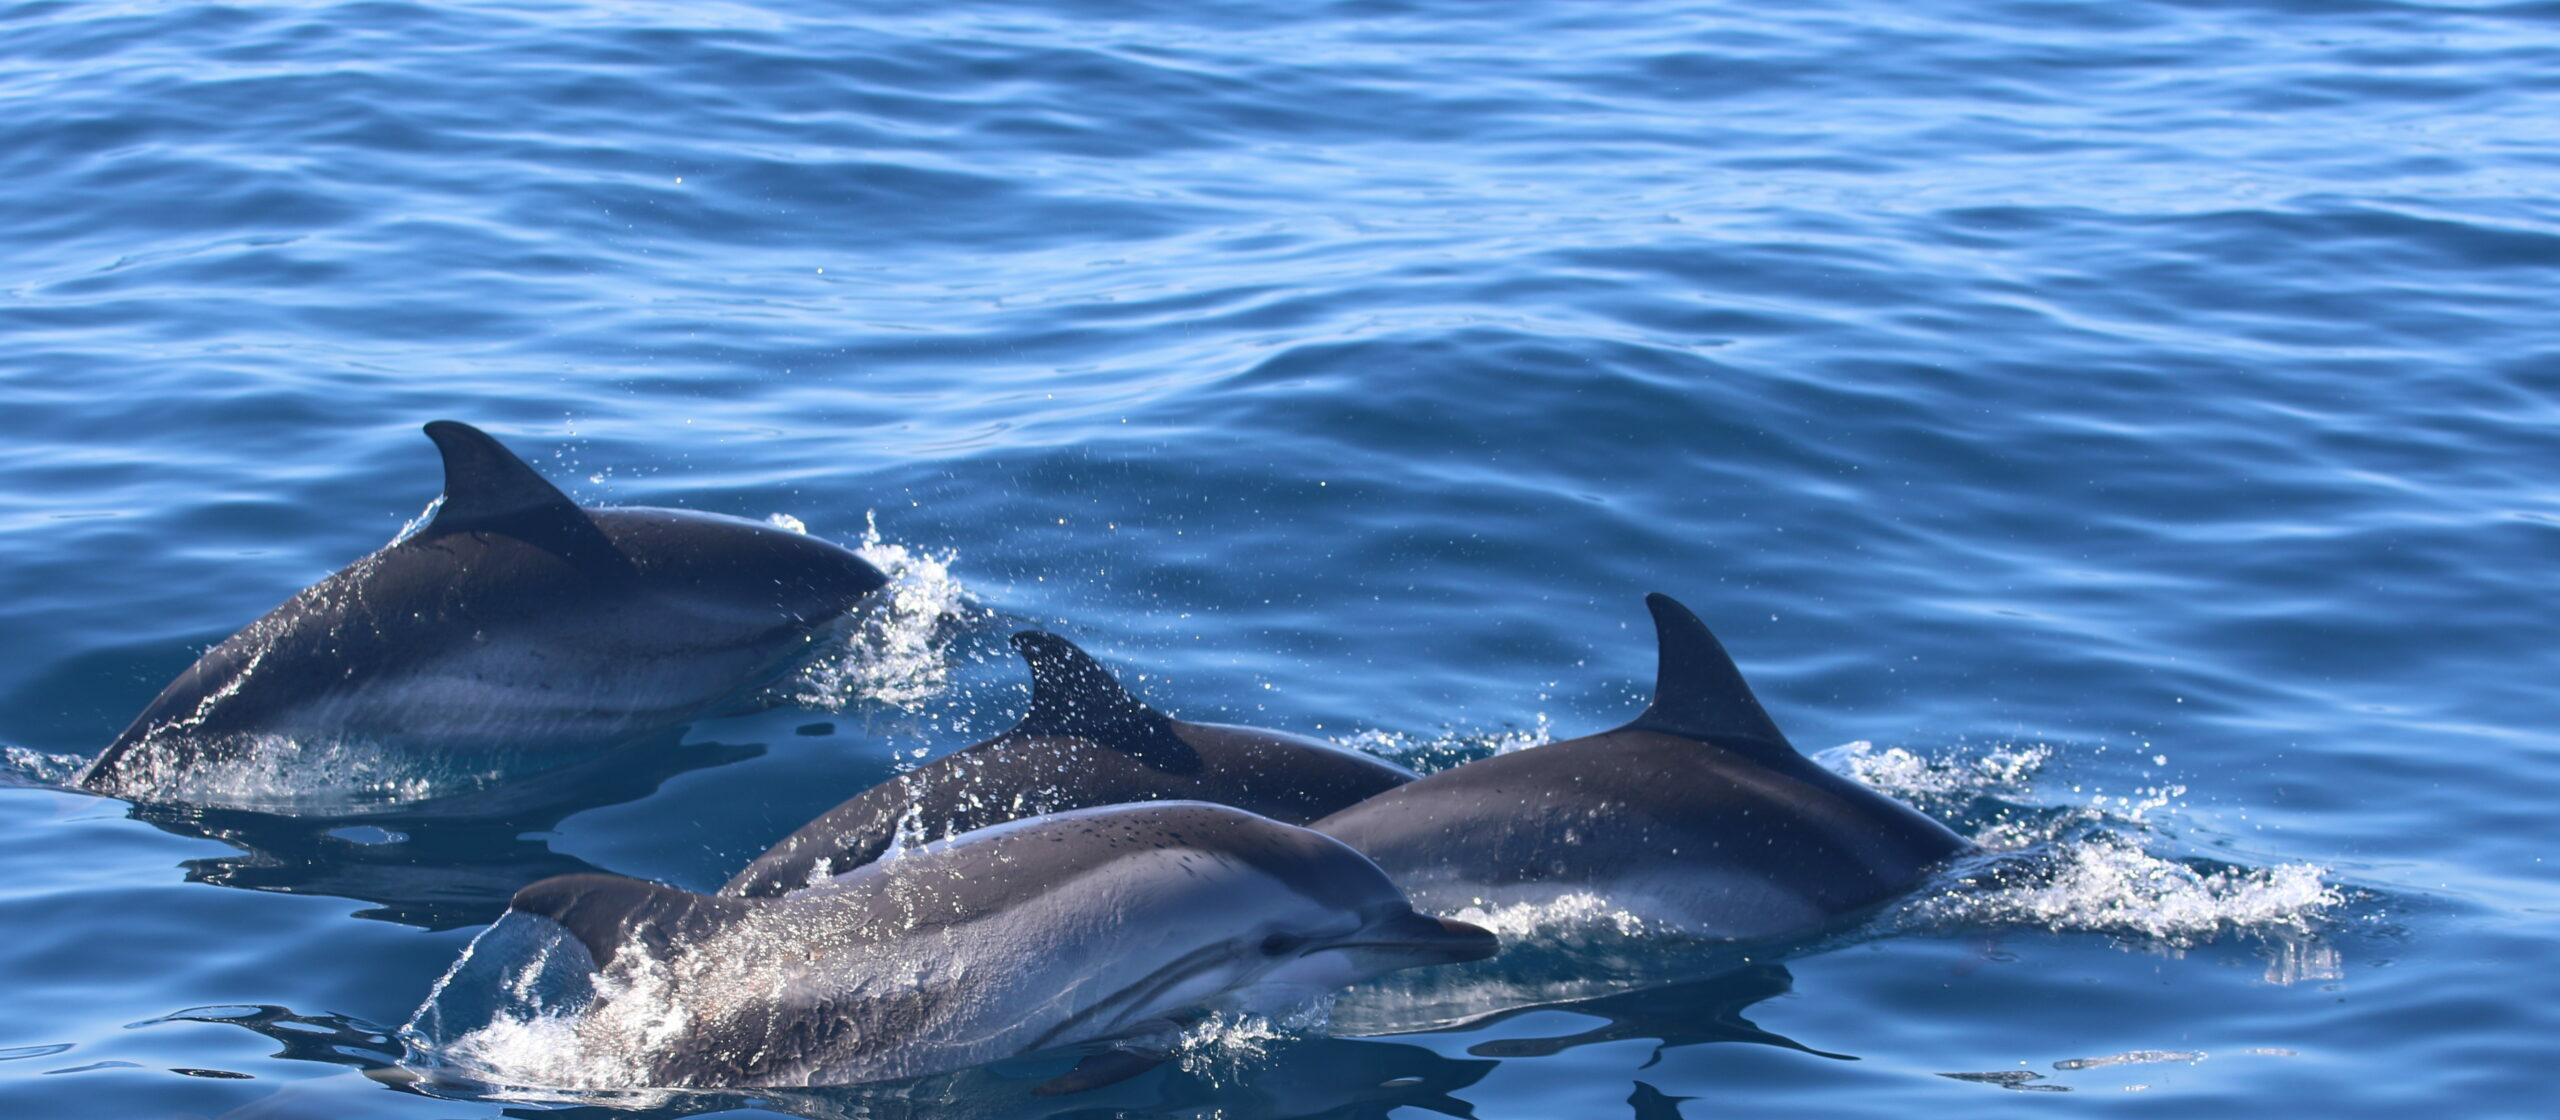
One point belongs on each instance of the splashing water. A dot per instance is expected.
(347, 774)
(21, 766)
(503, 1021)
(1227, 1045)
(1428, 754)
(1577, 916)
(2093, 867)
(410, 528)
(1910, 776)
(897, 651)
(2105, 883)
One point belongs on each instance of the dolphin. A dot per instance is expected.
(1698, 814)
(1086, 741)
(513, 630)
(1107, 927)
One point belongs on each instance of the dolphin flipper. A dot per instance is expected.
(607, 912)
(1698, 693)
(1073, 695)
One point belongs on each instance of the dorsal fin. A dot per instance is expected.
(485, 483)
(1073, 695)
(487, 489)
(606, 913)
(1698, 693)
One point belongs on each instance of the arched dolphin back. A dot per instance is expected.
(1699, 693)
(1085, 742)
(1073, 696)
(1698, 814)
(512, 632)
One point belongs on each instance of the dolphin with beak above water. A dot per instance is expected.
(1107, 928)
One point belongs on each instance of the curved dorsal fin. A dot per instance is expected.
(1073, 695)
(487, 489)
(1698, 693)
(608, 912)
(484, 483)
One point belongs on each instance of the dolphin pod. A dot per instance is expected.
(1698, 814)
(514, 620)
(1107, 925)
(1086, 741)
(1096, 877)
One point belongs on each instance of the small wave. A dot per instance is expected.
(23, 767)
(2095, 862)
(2105, 883)
(898, 649)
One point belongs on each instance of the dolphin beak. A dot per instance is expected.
(1411, 939)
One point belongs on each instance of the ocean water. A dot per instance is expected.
(2126, 431)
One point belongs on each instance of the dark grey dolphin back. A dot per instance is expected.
(1699, 693)
(583, 629)
(1699, 809)
(1085, 742)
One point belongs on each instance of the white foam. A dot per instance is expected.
(1568, 917)
(281, 773)
(39, 768)
(2106, 884)
(1901, 773)
(2082, 860)
(897, 649)
(506, 1018)
(1227, 1044)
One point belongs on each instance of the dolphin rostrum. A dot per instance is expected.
(1086, 741)
(1698, 814)
(1108, 927)
(513, 629)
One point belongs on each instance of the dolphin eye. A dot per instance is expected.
(1281, 944)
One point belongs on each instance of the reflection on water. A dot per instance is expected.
(1303, 1077)
(1686, 1013)
(436, 864)
(1294, 1076)
(1654, 1104)
(1283, 1075)
(337, 1039)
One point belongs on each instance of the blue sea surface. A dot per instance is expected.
(2128, 431)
